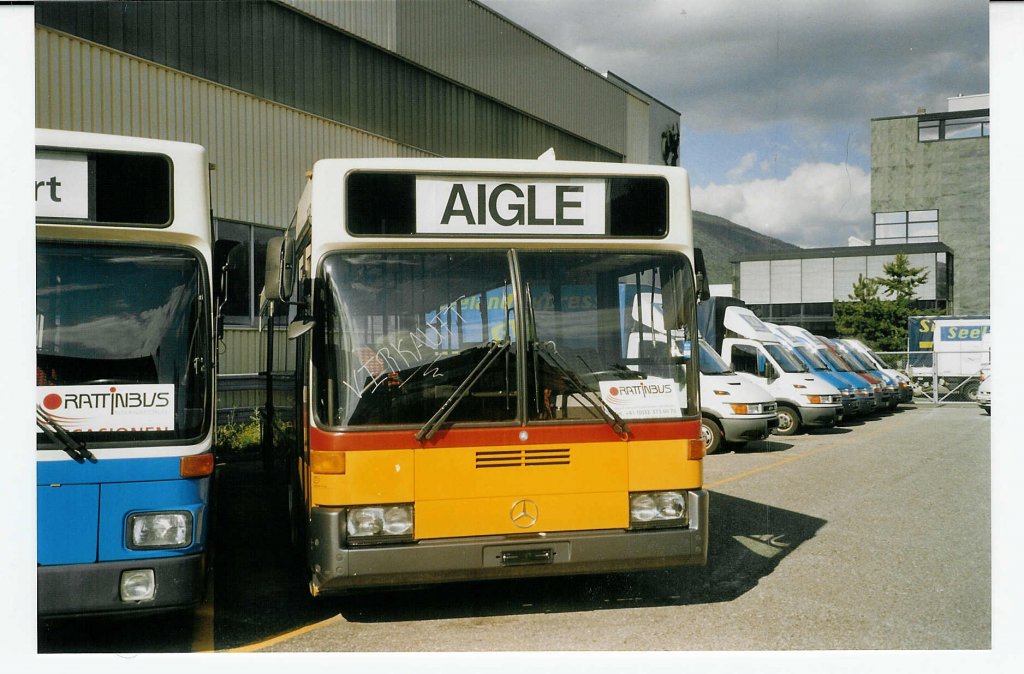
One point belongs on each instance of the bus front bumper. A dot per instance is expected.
(337, 568)
(88, 589)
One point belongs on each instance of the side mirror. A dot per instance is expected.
(226, 256)
(701, 271)
(278, 279)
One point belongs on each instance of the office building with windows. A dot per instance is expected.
(929, 201)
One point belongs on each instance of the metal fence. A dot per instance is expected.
(240, 396)
(941, 377)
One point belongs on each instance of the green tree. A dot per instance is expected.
(879, 306)
(901, 280)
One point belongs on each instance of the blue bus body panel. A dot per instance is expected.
(83, 509)
(67, 523)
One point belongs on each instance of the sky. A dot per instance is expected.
(776, 96)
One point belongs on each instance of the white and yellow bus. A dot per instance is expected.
(477, 395)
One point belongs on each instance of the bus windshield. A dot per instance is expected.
(407, 335)
(122, 337)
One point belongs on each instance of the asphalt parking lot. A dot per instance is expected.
(874, 535)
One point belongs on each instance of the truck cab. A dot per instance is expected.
(805, 344)
(847, 391)
(758, 355)
(733, 409)
(903, 385)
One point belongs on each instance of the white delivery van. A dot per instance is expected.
(733, 410)
(804, 400)
(904, 386)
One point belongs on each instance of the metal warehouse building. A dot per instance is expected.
(269, 87)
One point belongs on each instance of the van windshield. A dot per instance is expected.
(787, 361)
(812, 357)
(833, 360)
(710, 362)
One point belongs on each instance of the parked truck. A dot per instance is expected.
(734, 410)
(948, 352)
(757, 354)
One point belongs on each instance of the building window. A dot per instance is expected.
(952, 128)
(907, 227)
(245, 281)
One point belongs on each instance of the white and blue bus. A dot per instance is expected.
(125, 373)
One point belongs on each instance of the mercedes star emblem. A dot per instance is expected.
(524, 513)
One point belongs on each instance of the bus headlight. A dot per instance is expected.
(379, 523)
(658, 509)
(138, 585)
(149, 531)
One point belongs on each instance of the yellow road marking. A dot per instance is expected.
(287, 636)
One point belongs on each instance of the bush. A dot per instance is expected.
(243, 438)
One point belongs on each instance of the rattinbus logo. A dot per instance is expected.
(652, 398)
(110, 408)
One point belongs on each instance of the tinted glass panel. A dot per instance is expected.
(402, 331)
(638, 207)
(600, 333)
(381, 203)
(133, 189)
(125, 320)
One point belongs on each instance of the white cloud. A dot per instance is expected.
(741, 169)
(738, 66)
(818, 204)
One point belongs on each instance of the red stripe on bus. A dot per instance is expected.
(354, 441)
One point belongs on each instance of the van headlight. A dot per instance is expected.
(379, 523)
(159, 531)
(821, 399)
(752, 408)
(648, 510)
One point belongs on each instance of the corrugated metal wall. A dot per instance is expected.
(638, 132)
(244, 351)
(261, 149)
(470, 44)
(373, 20)
(275, 53)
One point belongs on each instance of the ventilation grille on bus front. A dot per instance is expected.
(517, 458)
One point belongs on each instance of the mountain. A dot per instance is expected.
(723, 240)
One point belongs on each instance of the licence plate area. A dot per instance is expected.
(525, 555)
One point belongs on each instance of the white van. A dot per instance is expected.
(733, 410)
(804, 400)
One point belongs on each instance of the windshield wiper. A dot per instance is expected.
(606, 411)
(60, 437)
(494, 350)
